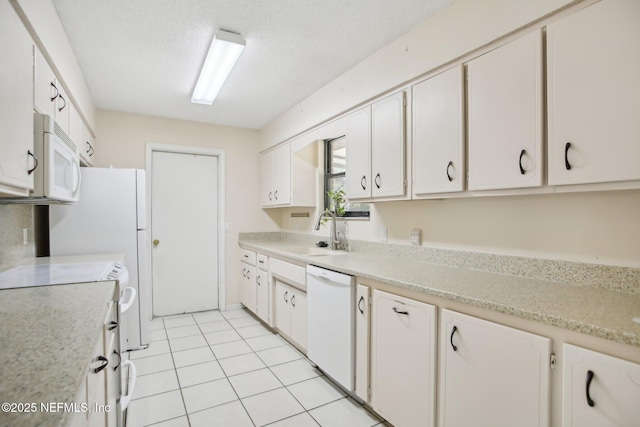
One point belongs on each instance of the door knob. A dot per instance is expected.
(156, 242)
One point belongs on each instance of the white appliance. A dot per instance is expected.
(331, 324)
(56, 165)
(110, 218)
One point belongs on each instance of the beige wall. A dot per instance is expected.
(122, 143)
(594, 227)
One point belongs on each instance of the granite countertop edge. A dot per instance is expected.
(494, 299)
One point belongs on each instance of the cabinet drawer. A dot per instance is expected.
(248, 256)
(263, 262)
(289, 273)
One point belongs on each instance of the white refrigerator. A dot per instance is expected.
(110, 218)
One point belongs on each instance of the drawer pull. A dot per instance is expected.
(449, 177)
(363, 182)
(360, 301)
(285, 296)
(590, 401)
(453, 331)
(567, 165)
(112, 325)
(522, 153)
(104, 364)
(400, 312)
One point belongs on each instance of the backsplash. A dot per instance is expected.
(13, 219)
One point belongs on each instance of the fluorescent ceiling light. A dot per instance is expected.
(225, 50)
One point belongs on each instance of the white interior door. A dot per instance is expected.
(184, 227)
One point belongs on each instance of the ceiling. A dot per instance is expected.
(144, 56)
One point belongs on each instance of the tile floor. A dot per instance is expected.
(227, 369)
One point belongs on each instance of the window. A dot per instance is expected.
(335, 155)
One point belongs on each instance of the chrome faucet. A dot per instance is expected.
(332, 234)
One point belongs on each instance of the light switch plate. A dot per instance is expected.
(383, 236)
(416, 237)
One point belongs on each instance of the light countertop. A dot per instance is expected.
(600, 312)
(48, 336)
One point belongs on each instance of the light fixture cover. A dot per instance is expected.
(225, 50)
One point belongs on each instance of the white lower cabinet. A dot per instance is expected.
(403, 360)
(290, 312)
(492, 375)
(363, 316)
(262, 294)
(599, 390)
(98, 398)
(248, 285)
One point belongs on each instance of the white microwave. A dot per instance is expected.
(57, 168)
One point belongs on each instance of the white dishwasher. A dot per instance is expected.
(331, 324)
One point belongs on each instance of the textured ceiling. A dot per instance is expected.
(144, 56)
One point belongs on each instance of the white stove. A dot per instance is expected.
(25, 276)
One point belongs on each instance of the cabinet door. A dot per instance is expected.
(299, 317)
(505, 116)
(266, 179)
(16, 102)
(63, 108)
(492, 375)
(87, 146)
(387, 146)
(281, 307)
(45, 90)
(438, 134)
(358, 163)
(403, 369)
(96, 385)
(248, 284)
(262, 295)
(282, 175)
(599, 390)
(362, 342)
(593, 92)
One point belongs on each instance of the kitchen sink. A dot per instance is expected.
(314, 251)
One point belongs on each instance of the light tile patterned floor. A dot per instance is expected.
(226, 369)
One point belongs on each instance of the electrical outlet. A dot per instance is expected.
(25, 236)
(383, 236)
(416, 237)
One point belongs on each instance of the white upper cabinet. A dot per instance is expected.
(282, 175)
(593, 91)
(375, 166)
(45, 90)
(505, 122)
(275, 176)
(288, 176)
(599, 390)
(86, 146)
(358, 163)
(388, 146)
(16, 104)
(438, 134)
(492, 375)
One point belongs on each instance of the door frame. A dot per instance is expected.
(185, 149)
